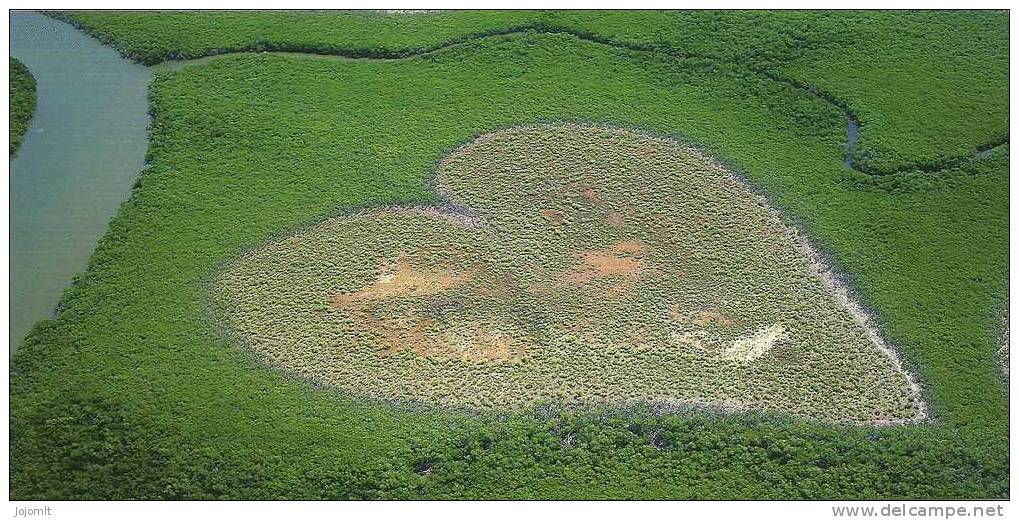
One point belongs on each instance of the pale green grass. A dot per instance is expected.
(590, 265)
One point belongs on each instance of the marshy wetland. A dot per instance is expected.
(536, 254)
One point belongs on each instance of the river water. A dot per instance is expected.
(83, 149)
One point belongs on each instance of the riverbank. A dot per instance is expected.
(81, 153)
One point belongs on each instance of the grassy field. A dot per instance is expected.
(135, 390)
(22, 99)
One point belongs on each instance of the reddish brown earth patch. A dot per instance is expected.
(556, 217)
(589, 194)
(397, 335)
(623, 259)
(614, 219)
(419, 333)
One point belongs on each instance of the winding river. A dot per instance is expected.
(83, 149)
(86, 144)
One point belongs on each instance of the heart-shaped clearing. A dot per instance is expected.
(594, 265)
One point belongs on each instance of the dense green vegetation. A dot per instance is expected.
(928, 88)
(133, 391)
(22, 99)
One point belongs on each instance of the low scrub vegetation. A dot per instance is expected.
(602, 266)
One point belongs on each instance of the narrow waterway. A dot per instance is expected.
(83, 149)
(852, 134)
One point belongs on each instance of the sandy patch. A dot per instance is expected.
(690, 341)
(749, 348)
(402, 279)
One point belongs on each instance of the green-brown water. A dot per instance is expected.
(84, 147)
